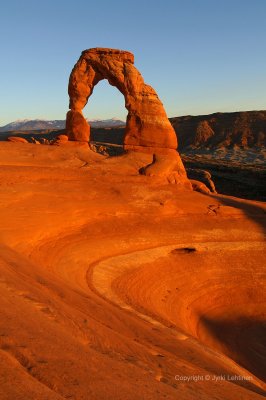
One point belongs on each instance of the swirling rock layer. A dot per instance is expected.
(114, 286)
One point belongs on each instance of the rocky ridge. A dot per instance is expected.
(245, 129)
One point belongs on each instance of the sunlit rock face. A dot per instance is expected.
(147, 122)
(147, 128)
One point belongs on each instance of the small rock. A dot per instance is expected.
(200, 187)
(17, 139)
(63, 138)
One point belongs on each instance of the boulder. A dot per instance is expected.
(202, 176)
(63, 138)
(17, 139)
(168, 165)
(35, 141)
(199, 187)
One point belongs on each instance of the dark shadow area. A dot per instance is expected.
(108, 135)
(233, 179)
(242, 339)
(108, 141)
(253, 211)
(107, 149)
(252, 188)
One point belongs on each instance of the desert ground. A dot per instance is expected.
(117, 286)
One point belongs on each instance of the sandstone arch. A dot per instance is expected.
(147, 128)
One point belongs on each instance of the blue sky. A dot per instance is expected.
(201, 56)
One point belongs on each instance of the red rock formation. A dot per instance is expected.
(203, 132)
(245, 129)
(77, 127)
(17, 139)
(147, 123)
(63, 138)
(147, 129)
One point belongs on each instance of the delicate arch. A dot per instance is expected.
(147, 124)
(147, 128)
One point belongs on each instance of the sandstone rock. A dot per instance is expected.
(203, 176)
(200, 187)
(147, 126)
(69, 143)
(203, 133)
(168, 165)
(45, 141)
(17, 139)
(245, 129)
(35, 141)
(77, 127)
(147, 122)
(63, 138)
(99, 149)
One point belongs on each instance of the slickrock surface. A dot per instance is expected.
(116, 285)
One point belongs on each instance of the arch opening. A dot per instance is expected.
(106, 113)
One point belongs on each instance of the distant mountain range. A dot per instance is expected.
(38, 124)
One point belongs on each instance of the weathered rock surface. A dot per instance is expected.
(246, 129)
(147, 128)
(35, 141)
(202, 176)
(147, 122)
(108, 279)
(63, 138)
(199, 186)
(167, 166)
(17, 139)
(77, 127)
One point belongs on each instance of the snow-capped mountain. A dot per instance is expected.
(38, 124)
(32, 124)
(106, 123)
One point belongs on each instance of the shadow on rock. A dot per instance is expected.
(254, 211)
(242, 339)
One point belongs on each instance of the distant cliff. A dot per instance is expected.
(221, 130)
